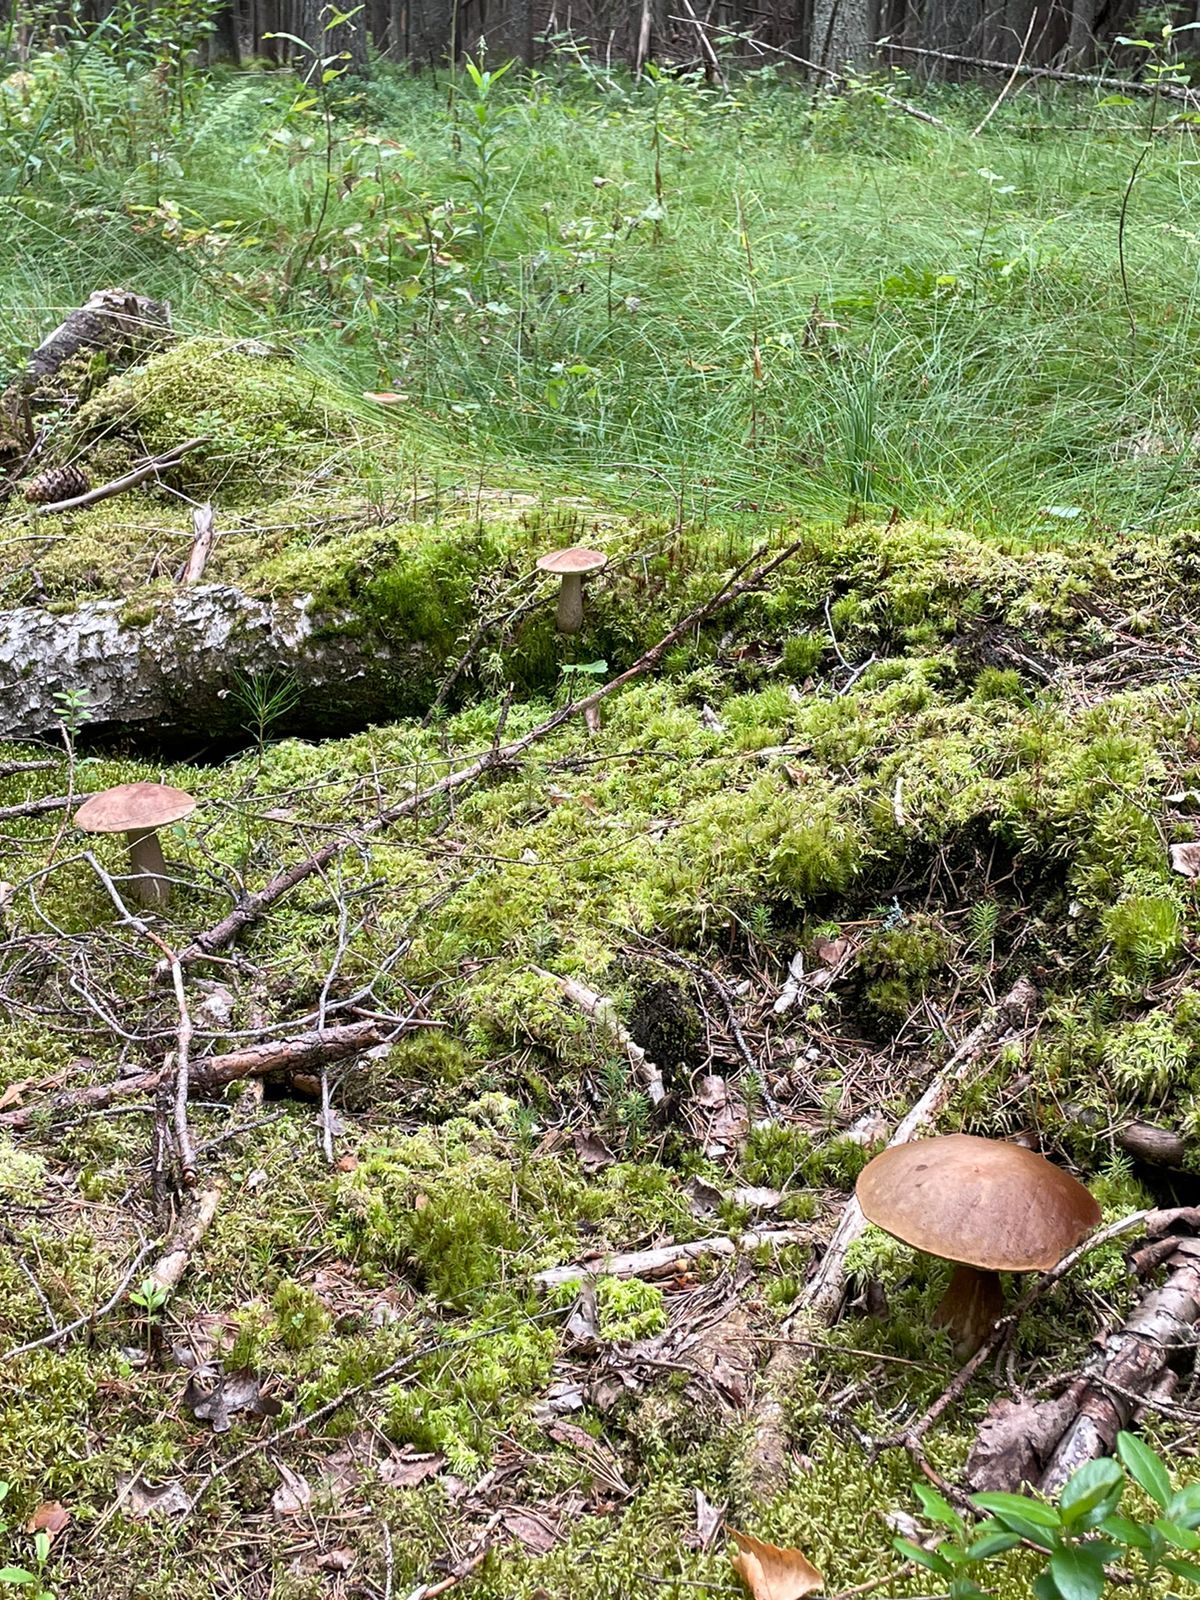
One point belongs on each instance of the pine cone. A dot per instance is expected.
(59, 483)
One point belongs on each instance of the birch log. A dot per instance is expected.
(172, 663)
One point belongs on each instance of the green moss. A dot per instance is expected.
(629, 1309)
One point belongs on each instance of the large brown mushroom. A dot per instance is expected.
(138, 810)
(987, 1206)
(572, 566)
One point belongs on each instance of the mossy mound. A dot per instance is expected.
(975, 779)
(268, 421)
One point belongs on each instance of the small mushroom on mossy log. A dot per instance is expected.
(572, 565)
(138, 810)
(987, 1206)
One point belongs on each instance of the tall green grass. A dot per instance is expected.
(940, 320)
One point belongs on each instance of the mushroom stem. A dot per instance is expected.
(569, 618)
(973, 1300)
(150, 884)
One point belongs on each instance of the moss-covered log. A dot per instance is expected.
(187, 664)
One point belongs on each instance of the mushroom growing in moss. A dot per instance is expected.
(138, 810)
(987, 1206)
(572, 566)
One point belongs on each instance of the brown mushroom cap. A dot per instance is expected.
(131, 807)
(576, 559)
(978, 1201)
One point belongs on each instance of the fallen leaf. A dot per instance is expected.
(536, 1532)
(772, 1573)
(1185, 859)
(139, 1500)
(346, 1163)
(410, 1468)
(214, 1396)
(388, 397)
(340, 1560)
(294, 1494)
(708, 1521)
(50, 1518)
(12, 1095)
(592, 1152)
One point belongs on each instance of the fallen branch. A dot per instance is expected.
(1129, 1366)
(822, 1296)
(602, 1010)
(1097, 80)
(1152, 1222)
(105, 491)
(1158, 1147)
(251, 907)
(666, 1259)
(37, 808)
(172, 1264)
(302, 1051)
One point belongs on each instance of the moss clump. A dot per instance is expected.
(267, 419)
(900, 964)
(22, 1172)
(629, 1310)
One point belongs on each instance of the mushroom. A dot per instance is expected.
(572, 566)
(138, 810)
(987, 1206)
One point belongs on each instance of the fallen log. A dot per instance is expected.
(122, 325)
(666, 1259)
(1157, 1147)
(174, 664)
(1130, 1365)
(302, 1051)
(252, 906)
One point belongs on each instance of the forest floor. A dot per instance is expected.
(945, 745)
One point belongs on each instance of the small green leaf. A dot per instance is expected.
(1128, 1532)
(937, 1508)
(1187, 1570)
(1078, 1572)
(1145, 1468)
(992, 1544)
(1181, 1538)
(1091, 1492)
(1183, 1507)
(929, 1559)
(1004, 1505)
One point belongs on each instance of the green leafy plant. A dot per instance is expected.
(478, 173)
(31, 1581)
(1079, 1538)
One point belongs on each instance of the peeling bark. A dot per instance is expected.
(174, 668)
(1130, 1365)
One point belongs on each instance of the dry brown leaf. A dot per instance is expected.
(410, 1468)
(1185, 859)
(772, 1573)
(50, 1518)
(139, 1500)
(339, 1560)
(12, 1095)
(294, 1494)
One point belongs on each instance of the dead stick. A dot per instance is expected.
(204, 531)
(1057, 74)
(601, 1009)
(1009, 81)
(664, 1258)
(252, 906)
(172, 1264)
(183, 1031)
(105, 491)
(301, 1051)
(35, 808)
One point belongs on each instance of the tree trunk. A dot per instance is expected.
(347, 39)
(843, 32)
